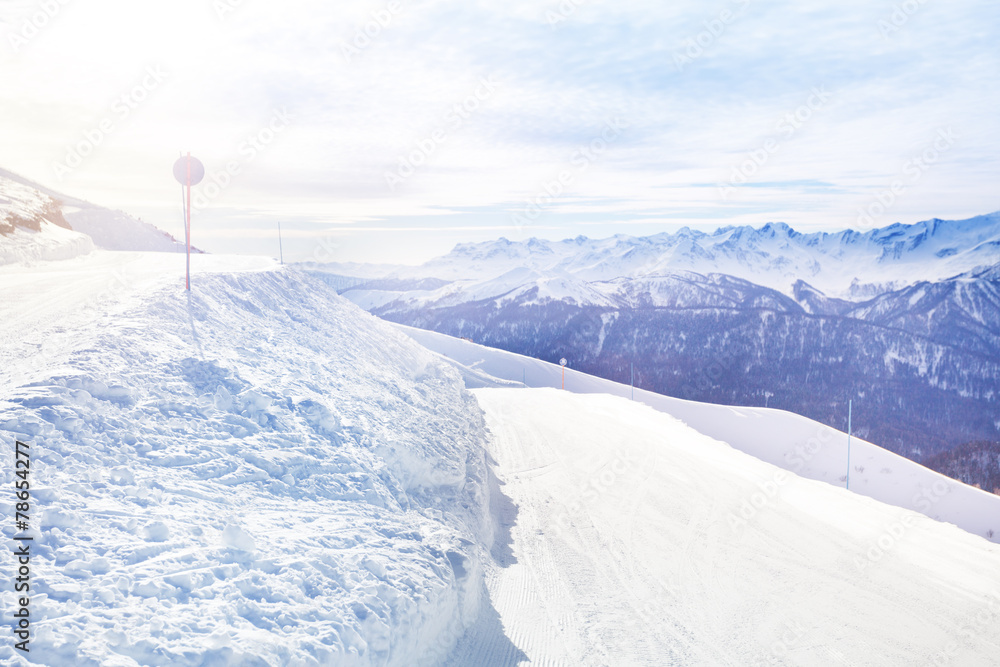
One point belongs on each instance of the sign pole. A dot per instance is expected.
(281, 254)
(187, 225)
(563, 362)
(188, 171)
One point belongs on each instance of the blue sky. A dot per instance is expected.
(389, 131)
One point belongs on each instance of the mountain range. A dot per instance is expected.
(904, 321)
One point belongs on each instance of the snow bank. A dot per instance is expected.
(257, 472)
(50, 243)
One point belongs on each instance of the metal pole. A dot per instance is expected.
(281, 254)
(187, 226)
(849, 402)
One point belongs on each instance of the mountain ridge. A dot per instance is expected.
(774, 255)
(24, 204)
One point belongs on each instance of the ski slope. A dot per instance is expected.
(636, 540)
(789, 441)
(257, 472)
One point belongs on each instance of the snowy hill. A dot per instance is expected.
(107, 229)
(259, 472)
(253, 473)
(32, 227)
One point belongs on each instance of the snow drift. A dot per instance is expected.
(254, 473)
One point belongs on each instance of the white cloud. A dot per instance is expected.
(557, 84)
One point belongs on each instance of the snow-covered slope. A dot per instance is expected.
(109, 230)
(635, 540)
(32, 227)
(784, 439)
(49, 242)
(255, 472)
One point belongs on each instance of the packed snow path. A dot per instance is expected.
(785, 439)
(638, 541)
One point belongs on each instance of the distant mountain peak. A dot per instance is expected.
(850, 264)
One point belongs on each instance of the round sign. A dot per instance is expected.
(563, 362)
(188, 167)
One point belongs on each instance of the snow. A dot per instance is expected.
(259, 472)
(636, 540)
(51, 242)
(115, 230)
(106, 229)
(255, 472)
(783, 439)
(848, 264)
(27, 231)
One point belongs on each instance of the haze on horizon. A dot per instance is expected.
(390, 131)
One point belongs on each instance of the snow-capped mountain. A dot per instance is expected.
(905, 319)
(848, 264)
(39, 223)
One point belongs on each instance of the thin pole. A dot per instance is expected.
(563, 377)
(187, 226)
(281, 254)
(849, 402)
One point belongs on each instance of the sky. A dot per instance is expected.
(378, 131)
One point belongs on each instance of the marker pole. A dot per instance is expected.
(281, 253)
(849, 444)
(187, 225)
